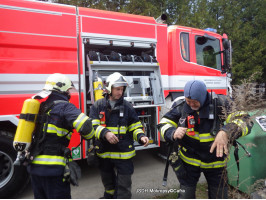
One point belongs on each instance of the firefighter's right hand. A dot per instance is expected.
(179, 133)
(111, 138)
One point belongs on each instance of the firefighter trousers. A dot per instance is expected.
(50, 187)
(216, 180)
(116, 178)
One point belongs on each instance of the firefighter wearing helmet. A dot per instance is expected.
(116, 127)
(51, 167)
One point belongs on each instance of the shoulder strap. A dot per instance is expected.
(218, 102)
(178, 101)
(60, 101)
(213, 113)
(41, 127)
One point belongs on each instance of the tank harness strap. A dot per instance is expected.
(172, 146)
(40, 132)
(213, 113)
(28, 117)
(52, 148)
(121, 115)
(170, 149)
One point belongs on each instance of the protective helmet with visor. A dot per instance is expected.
(115, 80)
(56, 82)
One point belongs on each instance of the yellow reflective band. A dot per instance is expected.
(95, 122)
(242, 125)
(80, 121)
(117, 155)
(114, 130)
(199, 163)
(206, 137)
(50, 83)
(49, 160)
(195, 137)
(60, 132)
(164, 129)
(48, 113)
(123, 129)
(168, 121)
(184, 149)
(236, 114)
(134, 126)
(177, 168)
(135, 134)
(98, 131)
(110, 191)
(90, 135)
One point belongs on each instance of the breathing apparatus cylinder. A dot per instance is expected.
(26, 126)
(98, 87)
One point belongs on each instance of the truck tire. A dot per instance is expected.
(13, 179)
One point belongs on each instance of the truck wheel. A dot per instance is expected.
(13, 179)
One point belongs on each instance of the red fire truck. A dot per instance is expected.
(39, 38)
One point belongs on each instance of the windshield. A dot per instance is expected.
(208, 52)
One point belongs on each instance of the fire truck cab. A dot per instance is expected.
(39, 38)
(196, 54)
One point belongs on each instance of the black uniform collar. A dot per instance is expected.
(57, 96)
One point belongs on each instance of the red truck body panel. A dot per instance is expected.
(38, 39)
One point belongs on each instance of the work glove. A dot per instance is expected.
(93, 159)
(177, 165)
(72, 173)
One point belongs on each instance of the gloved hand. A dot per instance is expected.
(75, 173)
(72, 173)
(177, 165)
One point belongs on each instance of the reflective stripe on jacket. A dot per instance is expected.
(127, 128)
(63, 117)
(196, 148)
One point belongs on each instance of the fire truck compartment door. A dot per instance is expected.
(156, 86)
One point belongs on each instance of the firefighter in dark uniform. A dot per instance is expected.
(115, 137)
(49, 168)
(199, 149)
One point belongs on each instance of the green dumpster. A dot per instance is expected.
(251, 168)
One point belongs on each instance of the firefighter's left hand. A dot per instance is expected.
(220, 143)
(145, 141)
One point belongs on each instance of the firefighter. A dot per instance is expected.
(51, 168)
(116, 127)
(189, 123)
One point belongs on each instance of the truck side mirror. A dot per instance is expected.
(226, 43)
(227, 56)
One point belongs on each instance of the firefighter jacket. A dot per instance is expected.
(123, 121)
(195, 149)
(62, 118)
